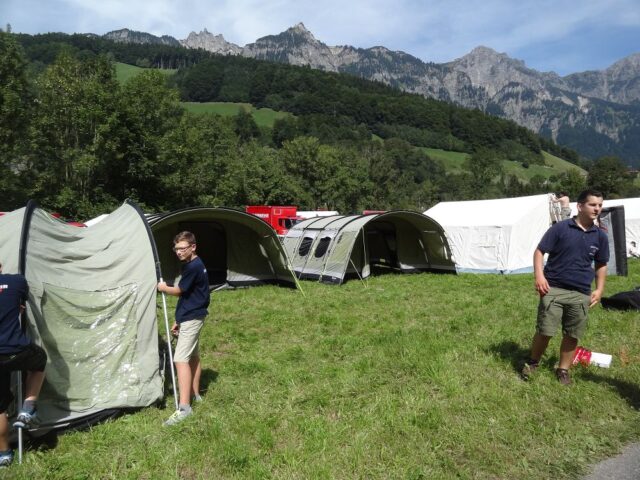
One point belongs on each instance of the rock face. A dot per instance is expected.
(130, 36)
(596, 112)
(212, 43)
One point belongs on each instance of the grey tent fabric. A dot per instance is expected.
(92, 307)
(330, 249)
(238, 249)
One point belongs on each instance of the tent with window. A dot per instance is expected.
(332, 249)
(92, 306)
(239, 249)
(494, 236)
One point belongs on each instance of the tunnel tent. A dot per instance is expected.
(332, 249)
(92, 306)
(239, 249)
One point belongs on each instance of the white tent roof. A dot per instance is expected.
(494, 236)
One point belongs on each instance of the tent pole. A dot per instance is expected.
(293, 273)
(166, 324)
(364, 252)
(358, 273)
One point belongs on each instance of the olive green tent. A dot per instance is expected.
(331, 249)
(92, 306)
(239, 249)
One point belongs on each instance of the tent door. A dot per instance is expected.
(211, 248)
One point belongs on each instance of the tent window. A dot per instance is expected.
(322, 247)
(305, 246)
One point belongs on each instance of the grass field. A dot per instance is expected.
(124, 71)
(264, 117)
(454, 162)
(406, 376)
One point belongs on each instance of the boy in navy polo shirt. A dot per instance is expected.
(191, 310)
(578, 251)
(17, 353)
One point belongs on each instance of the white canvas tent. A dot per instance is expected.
(494, 236)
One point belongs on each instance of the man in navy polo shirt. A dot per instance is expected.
(578, 251)
(17, 353)
(191, 310)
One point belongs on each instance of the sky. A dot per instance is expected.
(548, 35)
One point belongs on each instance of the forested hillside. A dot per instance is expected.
(80, 142)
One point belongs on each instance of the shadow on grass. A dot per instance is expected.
(627, 390)
(516, 355)
(208, 377)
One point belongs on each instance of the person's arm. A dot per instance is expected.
(164, 288)
(601, 276)
(542, 286)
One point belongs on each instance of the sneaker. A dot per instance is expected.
(563, 376)
(197, 399)
(177, 417)
(26, 419)
(528, 370)
(6, 458)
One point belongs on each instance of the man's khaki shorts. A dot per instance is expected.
(188, 340)
(563, 307)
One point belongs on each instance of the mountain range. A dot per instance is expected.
(595, 112)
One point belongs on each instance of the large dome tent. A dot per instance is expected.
(92, 306)
(239, 249)
(334, 248)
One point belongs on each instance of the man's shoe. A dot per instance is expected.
(6, 458)
(26, 419)
(528, 370)
(563, 376)
(177, 417)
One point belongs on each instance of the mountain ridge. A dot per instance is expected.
(596, 112)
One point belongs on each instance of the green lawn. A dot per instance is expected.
(406, 376)
(264, 117)
(124, 71)
(454, 162)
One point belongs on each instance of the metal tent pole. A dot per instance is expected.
(166, 324)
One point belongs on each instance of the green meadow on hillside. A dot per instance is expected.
(264, 117)
(454, 162)
(404, 376)
(124, 72)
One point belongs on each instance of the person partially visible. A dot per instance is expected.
(578, 252)
(17, 353)
(633, 250)
(191, 310)
(565, 207)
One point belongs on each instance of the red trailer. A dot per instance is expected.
(281, 218)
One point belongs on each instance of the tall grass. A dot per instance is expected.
(406, 376)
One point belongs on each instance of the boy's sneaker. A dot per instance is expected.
(197, 399)
(529, 369)
(6, 458)
(563, 377)
(178, 416)
(26, 419)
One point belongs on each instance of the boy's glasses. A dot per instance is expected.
(181, 249)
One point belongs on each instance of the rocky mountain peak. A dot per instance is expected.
(213, 43)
